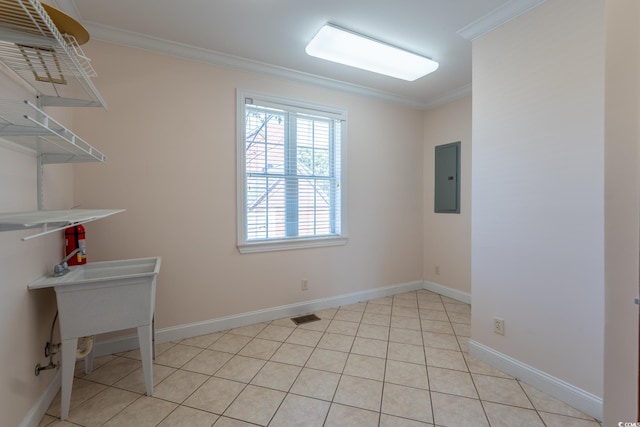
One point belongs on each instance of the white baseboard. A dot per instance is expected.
(40, 408)
(175, 333)
(448, 292)
(573, 396)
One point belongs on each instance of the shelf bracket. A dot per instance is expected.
(40, 184)
(40, 172)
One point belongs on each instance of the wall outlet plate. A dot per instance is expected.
(498, 325)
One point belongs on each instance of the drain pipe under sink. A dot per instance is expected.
(88, 346)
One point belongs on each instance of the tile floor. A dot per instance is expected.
(394, 361)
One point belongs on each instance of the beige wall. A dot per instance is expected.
(25, 317)
(447, 237)
(622, 210)
(170, 138)
(538, 190)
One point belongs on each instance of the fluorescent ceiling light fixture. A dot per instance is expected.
(346, 47)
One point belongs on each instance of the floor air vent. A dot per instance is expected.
(305, 319)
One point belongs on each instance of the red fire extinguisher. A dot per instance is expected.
(74, 239)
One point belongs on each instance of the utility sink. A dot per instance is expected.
(101, 271)
(101, 297)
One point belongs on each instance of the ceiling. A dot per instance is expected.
(270, 36)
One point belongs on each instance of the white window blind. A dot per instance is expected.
(290, 157)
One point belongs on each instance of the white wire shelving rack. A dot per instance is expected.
(53, 64)
(51, 221)
(25, 124)
(32, 48)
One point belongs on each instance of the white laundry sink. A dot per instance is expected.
(101, 271)
(107, 296)
(101, 297)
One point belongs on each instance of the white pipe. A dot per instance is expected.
(88, 346)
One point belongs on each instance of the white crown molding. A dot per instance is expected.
(448, 97)
(141, 41)
(109, 34)
(498, 17)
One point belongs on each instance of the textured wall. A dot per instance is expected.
(170, 135)
(26, 316)
(538, 190)
(447, 237)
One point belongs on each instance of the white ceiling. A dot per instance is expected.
(270, 36)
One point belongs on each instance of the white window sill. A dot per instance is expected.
(283, 245)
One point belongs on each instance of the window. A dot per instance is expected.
(291, 189)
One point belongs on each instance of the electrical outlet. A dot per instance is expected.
(304, 285)
(498, 325)
(437, 269)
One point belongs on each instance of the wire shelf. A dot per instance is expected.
(58, 219)
(23, 123)
(53, 64)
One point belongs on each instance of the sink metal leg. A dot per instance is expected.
(153, 336)
(144, 338)
(68, 366)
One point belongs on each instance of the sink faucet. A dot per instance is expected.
(63, 268)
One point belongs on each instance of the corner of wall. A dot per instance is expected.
(447, 237)
(555, 387)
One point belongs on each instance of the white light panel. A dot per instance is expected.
(345, 47)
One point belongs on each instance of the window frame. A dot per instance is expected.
(275, 244)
